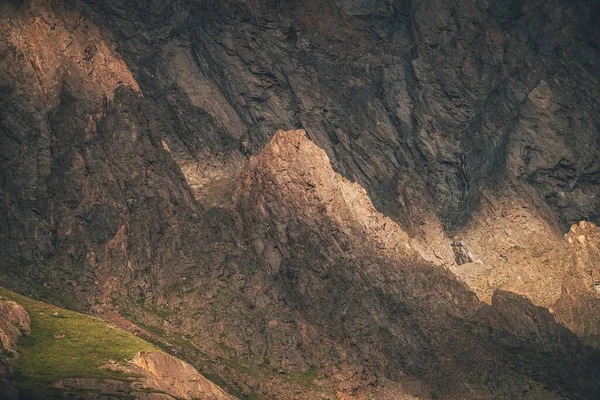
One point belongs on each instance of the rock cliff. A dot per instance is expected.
(418, 234)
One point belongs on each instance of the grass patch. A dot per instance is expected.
(88, 343)
(305, 379)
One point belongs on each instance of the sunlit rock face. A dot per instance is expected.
(577, 307)
(14, 323)
(159, 377)
(338, 184)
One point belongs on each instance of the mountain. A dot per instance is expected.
(384, 199)
(53, 353)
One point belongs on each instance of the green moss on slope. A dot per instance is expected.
(88, 343)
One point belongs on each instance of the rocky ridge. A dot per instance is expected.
(125, 180)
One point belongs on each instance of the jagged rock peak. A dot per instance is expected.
(296, 148)
(301, 171)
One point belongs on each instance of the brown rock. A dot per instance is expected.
(124, 131)
(14, 323)
(177, 378)
(170, 377)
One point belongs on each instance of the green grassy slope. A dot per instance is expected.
(88, 343)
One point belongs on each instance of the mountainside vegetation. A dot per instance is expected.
(388, 199)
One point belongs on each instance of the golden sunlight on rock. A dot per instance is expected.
(61, 47)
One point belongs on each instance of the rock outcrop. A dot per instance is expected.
(579, 304)
(420, 103)
(158, 377)
(352, 273)
(14, 323)
(141, 173)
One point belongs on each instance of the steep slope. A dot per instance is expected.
(418, 102)
(14, 323)
(352, 273)
(70, 355)
(139, 174)
(315, 277)
(79, 210)
(578, 304)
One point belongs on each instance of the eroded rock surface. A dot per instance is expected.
(139, 173)
(327, 249)
(14, 323)
(579, 304)
(158, 377)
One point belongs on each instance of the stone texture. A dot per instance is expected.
(159, 377)
(14, 323)
(139, 173)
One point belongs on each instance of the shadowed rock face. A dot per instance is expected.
(355, 278)
(139, 172)
(419, 102)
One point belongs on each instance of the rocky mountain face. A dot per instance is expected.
(371, 194)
